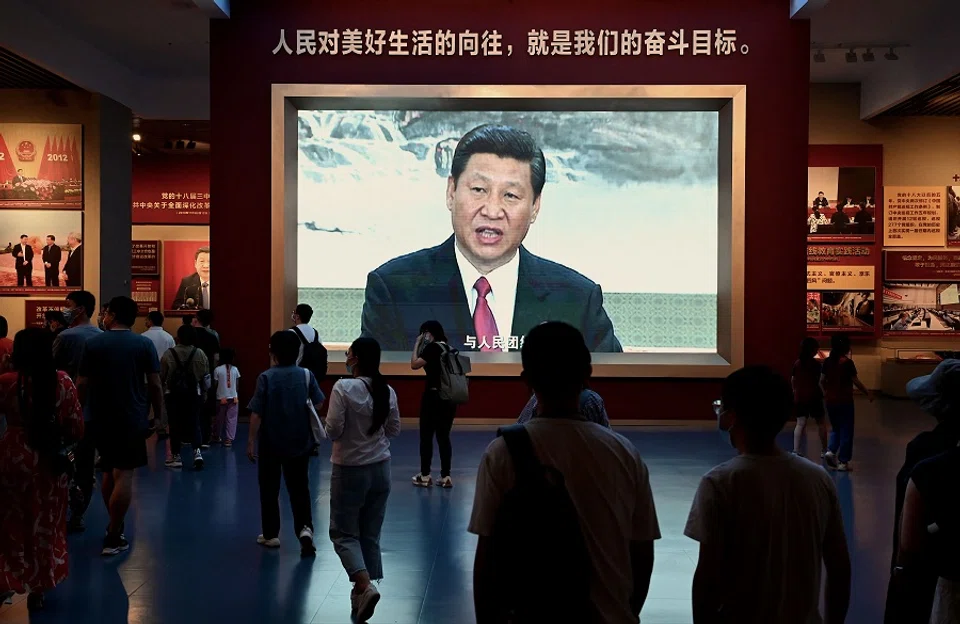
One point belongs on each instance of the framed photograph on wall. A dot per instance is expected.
(41, 165)
(842, 204)
(186, 276)
(41, 252)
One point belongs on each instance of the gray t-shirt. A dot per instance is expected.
(281, 401)
(769, 516)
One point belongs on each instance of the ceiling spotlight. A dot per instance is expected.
(192, 145)
(168, 144)
(891, 55)
(851, 56)
(868, 56)
(136, 136)
(180, 144)
(819, 57)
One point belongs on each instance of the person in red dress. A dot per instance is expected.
(39, 412)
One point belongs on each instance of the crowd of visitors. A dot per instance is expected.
(80, 393)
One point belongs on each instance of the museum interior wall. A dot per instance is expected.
(917, 152)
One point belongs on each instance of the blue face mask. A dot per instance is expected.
(719, 410)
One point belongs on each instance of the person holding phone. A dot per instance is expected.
(436, 414)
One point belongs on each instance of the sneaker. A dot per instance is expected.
(844, 467)
(76, 525)
(205, 446)
(6, 598)
(174, 462)
(227, 443)
(307, 549)
(197, 459)
(422, 480)
(445, 482)
(830, 459)
(366, 602)
(114, 544)
(273, 542)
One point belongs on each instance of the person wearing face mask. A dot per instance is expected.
(361, 419)
(911, 591)
(766, 520)
(280, 428)
(67, 350)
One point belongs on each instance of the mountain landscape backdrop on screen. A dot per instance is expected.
(630, 199)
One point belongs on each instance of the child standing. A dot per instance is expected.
(837, 380)
(227, 375)
(807, 396)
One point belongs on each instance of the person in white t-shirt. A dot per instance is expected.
(301, 322)
(227, 376)
(605, 478)
(162, 342)
(767, 521)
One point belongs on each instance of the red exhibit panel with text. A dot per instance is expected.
(921, 292)
(41, 252)
(35, 311)
(144, 257)
(842, 283)
(171, 190)
(41, 165)
(146, 292)
(186, 277)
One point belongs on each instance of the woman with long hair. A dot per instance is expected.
(807, 396)
(42, 418)
(361, 418)
(837, 379)
(436, 414)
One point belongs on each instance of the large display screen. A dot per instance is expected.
(494, 221)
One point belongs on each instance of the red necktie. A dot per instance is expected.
(483, 321)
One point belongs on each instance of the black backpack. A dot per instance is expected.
(537, 524)
(183, 383)
(314, 355)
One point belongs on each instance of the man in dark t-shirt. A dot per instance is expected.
(120, 377)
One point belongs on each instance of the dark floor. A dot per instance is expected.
(194, 558)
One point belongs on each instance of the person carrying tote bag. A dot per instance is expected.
(282, 438)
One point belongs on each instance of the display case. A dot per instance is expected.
(907, 364)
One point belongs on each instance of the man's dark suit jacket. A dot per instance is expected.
(74, 267)
(52, 255)
(426, 285)
(821, 203)
(18, 180)
(26, 255)
(190, 288)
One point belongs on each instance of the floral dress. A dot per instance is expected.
(33, 502)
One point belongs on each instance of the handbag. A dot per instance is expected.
(317, 429)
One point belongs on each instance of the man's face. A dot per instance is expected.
(23, 240)
(49, 241)
(202, 265)
(492, 207)
(108, 319)
(195, 323)
(821, 196)
(73, 242)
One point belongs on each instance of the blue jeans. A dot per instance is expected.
(358, 503)
(841, 431)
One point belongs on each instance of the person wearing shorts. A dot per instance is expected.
(808, 397)
(120, 378)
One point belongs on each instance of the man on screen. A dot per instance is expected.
(24, 261)
(194, 291)
(481, 283)
(51, 261)
(73, 267)
(19, 178)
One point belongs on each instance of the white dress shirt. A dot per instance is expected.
(162, 341)
(503, 289)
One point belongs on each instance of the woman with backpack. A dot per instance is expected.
(361, 418)
(40, 417)
(436, 414)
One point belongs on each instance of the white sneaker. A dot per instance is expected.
(844, 467)
(445, 482)
(307, 549)
(422, 480)
(366, 602)
(831, 460)
(174, 462)
(197, 459)
(269, 543)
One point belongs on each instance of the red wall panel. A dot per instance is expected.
(775, 70)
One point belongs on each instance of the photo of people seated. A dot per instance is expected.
(842, 204)
(921, 307)
(852, 311)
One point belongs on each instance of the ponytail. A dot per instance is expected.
(380, 392)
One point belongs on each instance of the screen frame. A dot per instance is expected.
(728, 100)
